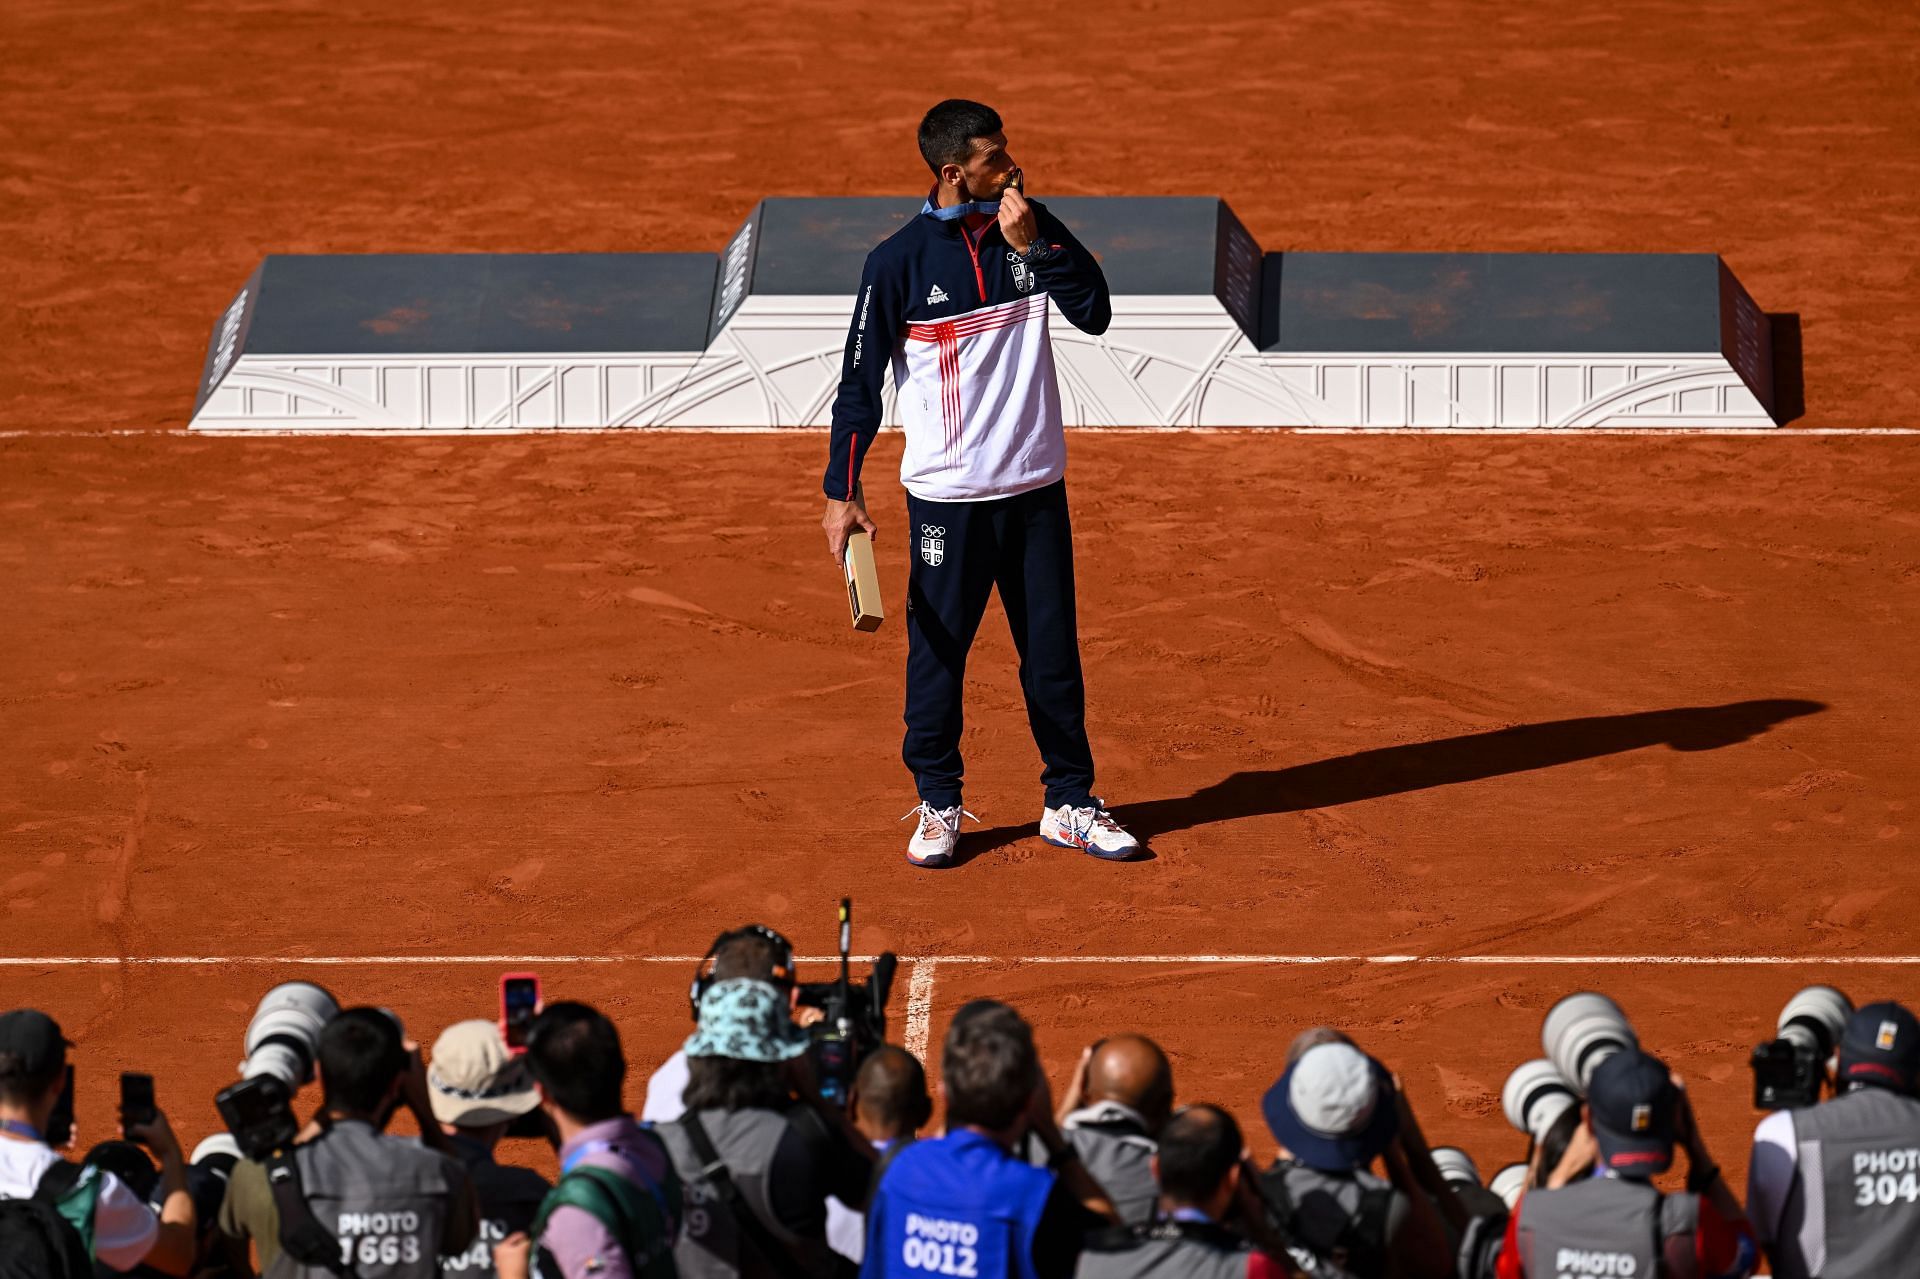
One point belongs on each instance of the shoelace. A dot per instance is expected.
(940, 815)
(1094, 815)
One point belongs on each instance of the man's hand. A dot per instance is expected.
(1076, 1094)
(157, 1135)
(1581, 1154)
(1016, 220)
(417, 1099)
(510, 1256)
(842, 518)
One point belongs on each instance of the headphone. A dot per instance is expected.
(782, 974)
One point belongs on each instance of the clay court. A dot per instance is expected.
(1424, 731)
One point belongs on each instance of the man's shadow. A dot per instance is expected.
(1396, 770)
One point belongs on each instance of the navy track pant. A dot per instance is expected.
(961, 551)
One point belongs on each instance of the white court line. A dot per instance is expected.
(928, 961)
(919, 1007)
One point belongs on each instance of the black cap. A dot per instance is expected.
(34, 1041)
(1632, 1102)
(1881, 1047)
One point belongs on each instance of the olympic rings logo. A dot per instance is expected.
(932, 530)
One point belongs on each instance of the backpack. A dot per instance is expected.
(642, 1222)
(1345, 1244)
(38, 1238)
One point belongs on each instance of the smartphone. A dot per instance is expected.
(60, 1123)
(136, 1101)
(519, 1005)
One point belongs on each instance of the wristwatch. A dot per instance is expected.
(1038, 251)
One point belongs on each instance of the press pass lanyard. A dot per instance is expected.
(19, 1129)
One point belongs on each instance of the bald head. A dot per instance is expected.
(890, 1098)
(1131, 1070)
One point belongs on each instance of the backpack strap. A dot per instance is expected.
(302, 1237)
(57, 1181)
(1366, 1233)
(752, 1229)
(72, 1190)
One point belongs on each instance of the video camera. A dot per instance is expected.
(855, 1023)
(1788, 1071)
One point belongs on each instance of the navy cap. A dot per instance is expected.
(1334, 1109)
(32, 1039)
(1632, 1104)
(1881, 1047)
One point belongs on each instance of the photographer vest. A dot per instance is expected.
(385, 1200)
(955, 1205)
(1114, 1146)
(712, 1245)
(1342, 1222)
(1864, 1150)
(1165, 1250)
(1604, 1226)
(508, 1196)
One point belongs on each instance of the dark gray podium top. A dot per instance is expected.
(1172, 244)
(1146, 244)
(1588, 303)
(458, 303)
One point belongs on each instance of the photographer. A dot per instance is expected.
(120, 1230)
(1832, 1188)
(478, 1089)
(617, 1207)
(757, 1151)
(392, 1207)
(889, 1105)
(1616, 1222)
(965, 1198)
(1120, 1098)
(1334, 1112)
(754, 951)
(1204, 1178)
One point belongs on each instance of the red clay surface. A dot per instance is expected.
(566, 696)
(575, 695)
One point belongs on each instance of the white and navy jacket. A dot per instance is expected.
(963, 318)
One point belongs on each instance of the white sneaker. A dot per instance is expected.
(933, 842)
(1092, 830)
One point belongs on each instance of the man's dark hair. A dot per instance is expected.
(989, 1066)
(18, 1088)
(746, 954)
(948, 130)
(1198, 1148)
(361, 1054)
(726, 1083)
(574, 1054)
(892, 1087)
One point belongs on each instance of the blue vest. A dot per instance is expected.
(958, 1207)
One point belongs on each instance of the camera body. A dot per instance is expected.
(854, 1023)
(259, 1113)
(1786, 1075)
(1789, 1070)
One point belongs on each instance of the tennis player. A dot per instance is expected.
(956, 301)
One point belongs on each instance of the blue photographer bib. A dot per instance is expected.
(959, 1207)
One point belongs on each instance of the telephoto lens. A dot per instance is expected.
(1813, 1020)
(284, 1036)
(1581, 1031)
(1536, 1094)
(1509, 1182)
(1456, 1166)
